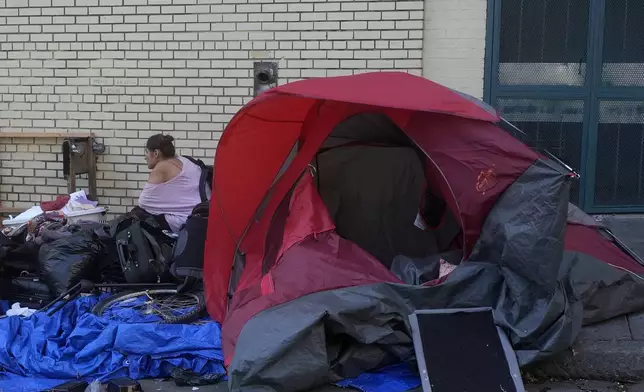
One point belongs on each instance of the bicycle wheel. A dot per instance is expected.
(163, 306)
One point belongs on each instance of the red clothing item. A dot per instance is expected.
(59, 203)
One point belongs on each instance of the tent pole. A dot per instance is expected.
(317, 169)
(624, 247)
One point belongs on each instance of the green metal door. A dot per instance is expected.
(570, 73)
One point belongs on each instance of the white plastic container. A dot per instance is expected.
(95, 215)
(14, 222)
(23, 218)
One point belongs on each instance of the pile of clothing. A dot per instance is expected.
(42, 256)
(46, 257)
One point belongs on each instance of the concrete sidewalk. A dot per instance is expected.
(585, 386)
(628, 228)
(613, 350)
(567, 386)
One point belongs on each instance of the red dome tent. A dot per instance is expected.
(323, 187)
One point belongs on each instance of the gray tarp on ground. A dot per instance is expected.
(541, 296)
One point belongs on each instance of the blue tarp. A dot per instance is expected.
(41, 352)
(396, 378)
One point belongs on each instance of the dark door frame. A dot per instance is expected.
(591, 93)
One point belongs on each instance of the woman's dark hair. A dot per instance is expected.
(163, 143)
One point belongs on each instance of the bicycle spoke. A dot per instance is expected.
(163, 305)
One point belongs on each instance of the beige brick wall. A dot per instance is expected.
(30, 169)
(126, 69)
(454, 44)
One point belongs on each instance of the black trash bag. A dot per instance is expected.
(48, 232)
(187, 378)
(6, 245)
(24, 258)
(18, 235)
(101, 230)
(108, 261)
(17, 257)
(64, 262)
(51, 235)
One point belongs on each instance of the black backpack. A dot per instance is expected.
(188, 252)
(205, 183)
(143, 253)
(143, 248)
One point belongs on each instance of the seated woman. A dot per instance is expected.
(172, 190)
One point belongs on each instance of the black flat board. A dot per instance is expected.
(463, 352)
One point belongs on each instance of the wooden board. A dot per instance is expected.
(6, 211)
(12, 210)
(42, 135)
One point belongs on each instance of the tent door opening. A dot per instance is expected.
(372, 180)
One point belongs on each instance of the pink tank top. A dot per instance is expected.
(175, 199)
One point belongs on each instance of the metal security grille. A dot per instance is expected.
(619, 173)
(570, 74)
(623, 49)
(543, 42)
(556, 126)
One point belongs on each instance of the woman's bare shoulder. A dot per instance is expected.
(157, 175)
(164, 171)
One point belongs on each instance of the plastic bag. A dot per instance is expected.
(66, 261)
(187, 378)
(95, 386)
(107, 262)
(18, 257)
(17, 310)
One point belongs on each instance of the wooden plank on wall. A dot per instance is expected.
(42, 135)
